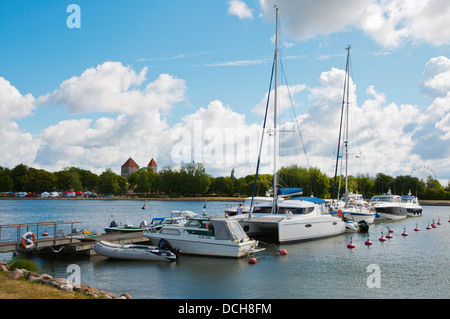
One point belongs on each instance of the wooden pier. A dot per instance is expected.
(61, 244)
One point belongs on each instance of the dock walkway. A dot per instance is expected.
(62, 244)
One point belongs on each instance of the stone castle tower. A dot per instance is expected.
(130, 167)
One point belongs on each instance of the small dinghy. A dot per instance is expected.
(136, 252)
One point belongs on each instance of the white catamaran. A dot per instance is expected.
(289, 220)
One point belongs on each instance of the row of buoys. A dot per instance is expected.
(283, 252)
(390, 231)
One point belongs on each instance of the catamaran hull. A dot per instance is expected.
(207, 247)
(290, 230)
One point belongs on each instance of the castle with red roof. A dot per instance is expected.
(130, 167)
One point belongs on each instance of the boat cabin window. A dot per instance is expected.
(284, 210)
(169, 231)
(296, 210)
(193, 223)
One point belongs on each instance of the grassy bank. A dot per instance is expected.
(23, 289)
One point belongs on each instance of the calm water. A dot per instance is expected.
(416, 266)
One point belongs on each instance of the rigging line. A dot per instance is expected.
(293, 109)
(262, 138)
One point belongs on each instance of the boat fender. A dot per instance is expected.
(28, 240)
(340, 213)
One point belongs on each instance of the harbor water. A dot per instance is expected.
(413, 266)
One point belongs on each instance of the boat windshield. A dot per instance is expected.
(284, 210)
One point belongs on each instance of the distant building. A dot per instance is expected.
(129, 167)
(153, 166)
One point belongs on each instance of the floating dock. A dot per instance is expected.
(61, 244)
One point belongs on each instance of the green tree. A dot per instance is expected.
(6, 182)
(111, 183)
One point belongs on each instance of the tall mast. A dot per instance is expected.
(346, 126)
(275, 153)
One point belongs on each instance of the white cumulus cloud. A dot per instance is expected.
(240, 9)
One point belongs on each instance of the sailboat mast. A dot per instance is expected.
(275, 133)
(347, 122)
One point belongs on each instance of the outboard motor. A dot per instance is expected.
(164, 244)
(113, 224)
(363, 226)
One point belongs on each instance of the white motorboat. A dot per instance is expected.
(389, 206)
(208, 236)
(356, 209)
(249, 202)
(134, 252)
(413, 208)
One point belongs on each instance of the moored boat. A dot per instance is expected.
(389, 206)
(134, 252)
(207, 236)
(413, 208)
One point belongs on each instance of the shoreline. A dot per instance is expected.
(188, 199)
(434, 202)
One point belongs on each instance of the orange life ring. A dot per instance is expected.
(26, 242)
(340, 213)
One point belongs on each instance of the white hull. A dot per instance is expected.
(368, 217)
(206, 246)
(132, 252)
(295, 228)
(391, 216)
(218, 237)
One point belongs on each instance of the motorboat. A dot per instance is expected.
(247, 205)
(292, 220)
(356, 209)
(389, 206)
(114, 227)
(207, 236)
(135, 252)
(176, 218)
(413, 208)
(251, 201)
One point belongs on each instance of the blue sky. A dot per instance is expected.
(142, 78)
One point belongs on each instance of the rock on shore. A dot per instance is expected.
(59, 283)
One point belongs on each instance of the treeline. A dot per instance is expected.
(192, 180)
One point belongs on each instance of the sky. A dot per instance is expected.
(91, 83)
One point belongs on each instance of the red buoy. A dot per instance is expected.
(45, 234)
(283, 252)
(389, 236)
(368, 242)
(252, 261)
(382, 238)
(404, 232)
(350, 245)
(417, 228)
(439, 222)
